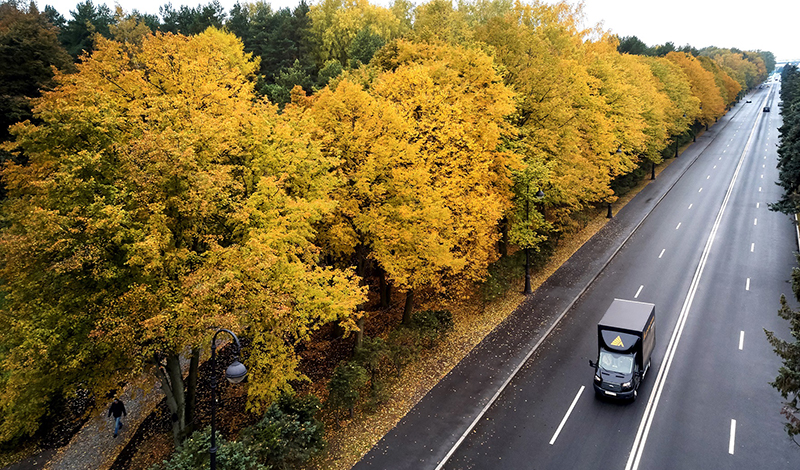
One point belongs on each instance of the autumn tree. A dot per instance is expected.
(562, 118)
(335, 24)
(456, 104)
(161, 199)
(703, 86)
(425, 182)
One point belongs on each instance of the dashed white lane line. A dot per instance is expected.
(662, 253)
(638, 292)
(733, 437)
(747, 284)
(741, 340)
(759, 189)
(690, 206)
(752, 247)
(758, 204)
(679, 226)
(708, 177)
(701, 190)
(755, 221)
(566, 416)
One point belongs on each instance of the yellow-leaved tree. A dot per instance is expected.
(423, 182)
(160, 199)
(703, 86)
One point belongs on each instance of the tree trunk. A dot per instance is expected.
(384, 288)
(175, 392)
(191, 391)
(503, 237)
(360, 333)
(409, 308)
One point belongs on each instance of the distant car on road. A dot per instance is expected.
(766, 109)
(749, 101)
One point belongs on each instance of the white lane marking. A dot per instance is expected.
(701, 190)
(637, 450)
(720, 158)
(759, 189)
(752, 247)
(733, 437)
(690, 206)
(758, 204)
(715, 166)
(741, 340)
(708, 177)
(638, 292)
(566, 416)
(679, 226)
(763, 166)
(755, 221)
(762, 176)
(662, 253)
(747, 284)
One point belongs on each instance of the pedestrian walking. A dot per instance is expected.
(117, 409)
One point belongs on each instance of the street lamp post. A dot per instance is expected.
(235, 373)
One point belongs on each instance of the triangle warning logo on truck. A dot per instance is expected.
(618, 342)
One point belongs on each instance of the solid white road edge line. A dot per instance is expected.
(638, 292)
(741, 340)
(733, 437)
(652, 404)
(566, 416)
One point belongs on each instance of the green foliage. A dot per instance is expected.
(503, 275)
(29, 47)
(289, 434)
(280, 91)
(789, 148)
(190, 21)
(329, 71)
(278, 38)
(344, 389)
(433, 324)
(193, 455)
(788, 380)
(364, 46)
(375, 356)
(87, 20)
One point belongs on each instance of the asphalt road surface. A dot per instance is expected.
(702, 246)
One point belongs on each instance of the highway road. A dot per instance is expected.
(705, 249)
(714, 260)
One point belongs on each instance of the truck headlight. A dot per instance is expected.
(627, 385)
(597, 378)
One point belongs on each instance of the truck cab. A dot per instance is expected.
(626, 338)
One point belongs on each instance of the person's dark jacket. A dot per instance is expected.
(117, 409)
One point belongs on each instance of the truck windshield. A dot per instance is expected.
(613, 362)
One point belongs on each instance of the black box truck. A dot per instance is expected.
(626, 336)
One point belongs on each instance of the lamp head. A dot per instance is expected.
(236, 372)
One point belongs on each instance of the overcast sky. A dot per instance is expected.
(769, 25)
